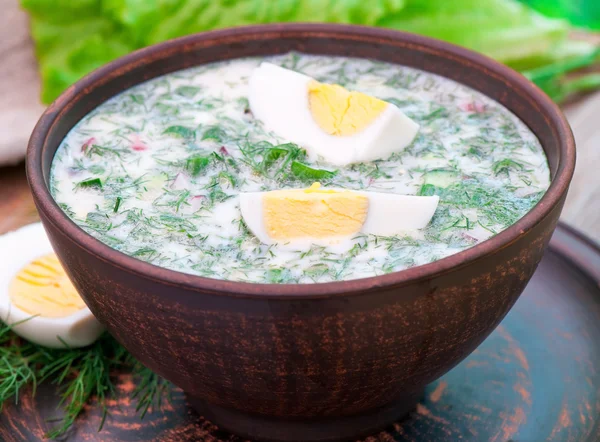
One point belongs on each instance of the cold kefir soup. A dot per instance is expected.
(297, 169)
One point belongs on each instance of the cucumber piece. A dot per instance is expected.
(440, 177)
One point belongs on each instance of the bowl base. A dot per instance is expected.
(338, 428)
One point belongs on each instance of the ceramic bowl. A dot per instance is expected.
(310, 362)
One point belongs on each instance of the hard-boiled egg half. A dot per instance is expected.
(340, 126)
(36, 296)
(300, 217)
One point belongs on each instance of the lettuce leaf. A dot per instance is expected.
(583, 13)
(74, 37)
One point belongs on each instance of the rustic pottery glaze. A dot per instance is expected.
(313, 362)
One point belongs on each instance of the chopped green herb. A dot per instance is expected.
(306, 173)
(278, 276)
(187, 91)
(214, 133)
(117, 204)
(98, 221)
(97, 169)
(317, 270)
(180, 132)
(505, 166)
(196, 164)
(427, 190)
(440, 112)
(269, 160)
(271, 155)
(101, 151)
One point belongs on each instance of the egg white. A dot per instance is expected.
(388, 214)
(279, 98)
(251, 208)
(18, 249)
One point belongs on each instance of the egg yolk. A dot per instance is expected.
(340, 112)
(43, 288)
(313, 213)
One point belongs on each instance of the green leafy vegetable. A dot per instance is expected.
(196, 164)
(306, 173)
(585, 13)
(271, 155)
(214, 133)
(553, 80)
(278, 276)
(269, 160)
(73, 38)
(181, 132)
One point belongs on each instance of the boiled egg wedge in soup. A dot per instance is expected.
(333, 124)
(329, 216)
(37, 299)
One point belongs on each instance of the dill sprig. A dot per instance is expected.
(83, 375)
(18, 361)
(150, 389)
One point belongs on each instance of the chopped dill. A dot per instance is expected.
(118, 202)
(187, 91)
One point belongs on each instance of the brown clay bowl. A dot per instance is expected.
(305, 362)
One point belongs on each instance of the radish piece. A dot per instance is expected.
(138, 144)
(196, 202)
(181, 182)
(472, 106)
(87, 144)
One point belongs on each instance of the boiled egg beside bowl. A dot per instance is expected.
(36, 296)
(328, 217)
(339, 126)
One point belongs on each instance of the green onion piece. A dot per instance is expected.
(117, 204)
(94, 182)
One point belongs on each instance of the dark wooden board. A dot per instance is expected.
(536, 378)
(16, 203)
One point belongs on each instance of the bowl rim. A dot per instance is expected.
(193, 283)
